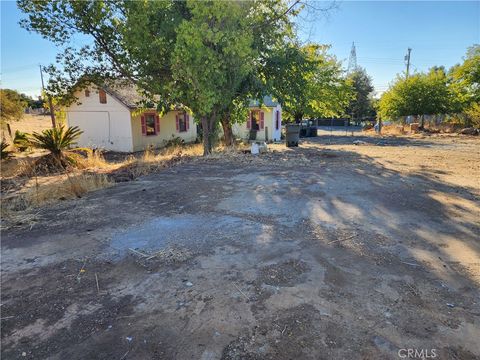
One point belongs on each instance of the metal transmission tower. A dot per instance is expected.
(352, 61)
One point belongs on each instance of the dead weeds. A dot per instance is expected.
(33, 182)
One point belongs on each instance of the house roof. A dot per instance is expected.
(125, 92)
(267, 101)
(128, 94)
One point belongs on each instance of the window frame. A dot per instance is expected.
(153, 115)
(184, 114)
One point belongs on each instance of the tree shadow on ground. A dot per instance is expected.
(404, 244)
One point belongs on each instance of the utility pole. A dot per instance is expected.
(50, 102)
(407, 59)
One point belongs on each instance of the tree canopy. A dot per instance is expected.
(420, 94)
(202, 55)
(308, 81)
(437, 91)
(12, 105)
(360, 106)
(465, 78)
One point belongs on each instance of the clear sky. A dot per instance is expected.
(438, 32)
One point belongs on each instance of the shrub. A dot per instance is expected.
(56, 140)
(173, 142)
(473, 115)
(3, 148)
(20, 141)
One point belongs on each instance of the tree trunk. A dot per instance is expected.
(208, 127)
(227, 131)
(298, 118)
(422, 122)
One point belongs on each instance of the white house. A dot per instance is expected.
(111, 119)
(265, 118)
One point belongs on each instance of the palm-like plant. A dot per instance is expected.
(21, 141)
(56, 140)
(3, 148)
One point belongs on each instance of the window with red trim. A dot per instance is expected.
(255, 119)
(150, 124)
(87, 93)
(182, 122)
(102, 95)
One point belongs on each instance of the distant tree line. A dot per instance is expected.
(437, 91)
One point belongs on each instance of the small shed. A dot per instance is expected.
(264, 118)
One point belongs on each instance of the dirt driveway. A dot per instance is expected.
(328, 251)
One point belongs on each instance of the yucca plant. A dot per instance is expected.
(3, 147)
(20, 141)
(56, 140)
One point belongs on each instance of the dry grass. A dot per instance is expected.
(393, 129)
(26, 188)
(39, 191)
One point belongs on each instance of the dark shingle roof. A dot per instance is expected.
(125, 92)
(128, 94)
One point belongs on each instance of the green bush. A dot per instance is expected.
(20, 141)
(174, 141)
(473, 115)
(56, 140)
(3, 147)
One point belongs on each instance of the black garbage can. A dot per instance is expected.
(292, 135)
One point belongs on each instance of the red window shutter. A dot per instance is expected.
(249, 120)
(176, 122)
(102, 95)
(144, 125)
(262, 120)
(157, 124)
(187, 120)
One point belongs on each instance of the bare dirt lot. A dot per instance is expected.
(328, 251)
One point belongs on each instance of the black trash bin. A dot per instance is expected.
(292, 135)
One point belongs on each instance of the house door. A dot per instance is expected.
(255, 120)
(95, 127)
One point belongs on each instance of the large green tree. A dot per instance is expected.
(465, 83)
(360, 106)
(420, 94)
(466, 76)
(307, 81)
(12, 105)
(213, 54)
(194, 54)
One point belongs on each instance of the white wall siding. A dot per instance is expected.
(243, 132)
(106, 126)
(277, 133)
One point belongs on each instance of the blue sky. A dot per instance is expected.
(438, 32)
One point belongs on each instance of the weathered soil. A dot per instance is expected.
(327, 251)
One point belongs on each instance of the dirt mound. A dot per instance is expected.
(51, 165)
